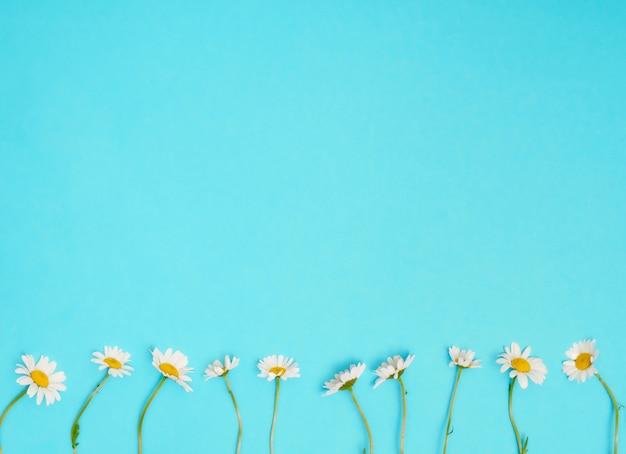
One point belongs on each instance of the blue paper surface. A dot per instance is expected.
(336, 183)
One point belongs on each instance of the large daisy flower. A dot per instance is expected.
(463, 358)
(522, 366)
(173, 365)
(273, 367)
(114, 359)
(581, 356)
(41, 378)
(217, 369)
(345, 379)
(392, 369)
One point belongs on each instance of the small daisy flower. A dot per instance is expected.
(463, 358)
(345, 379)
(392, 369)
(581, 356)
(522, 366)
(41, 378)
(173, 366)
(114, 359)
(278, 367)
(217, 369)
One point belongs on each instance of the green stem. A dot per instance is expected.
(403, 431)
(13, 402)
(367, 427)
(615, 406)
(517, 437)
(456, 385)
(143, 413)
(75, 427)
(232, 396)
(274, 417)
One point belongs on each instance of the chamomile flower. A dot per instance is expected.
(581, 356)
(345, 379)
(41, 378)
(580, 366)
(278, 367)
(217, 369)
(522, 365)
(392, 369)
(173, 365)
(114, 359)
(463, 358)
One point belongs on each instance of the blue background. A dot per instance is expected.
(334, 182)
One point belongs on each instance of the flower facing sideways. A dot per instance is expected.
(278, 367)
(392, 369)
(173, 366)
(217, 369)
(581, 356)
(114, 359)
(463, 358)
(345, 379)
(41, 378)
(522, 366)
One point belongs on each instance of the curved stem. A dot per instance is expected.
(615, 406)
(13, 402)
(367, 427)
(75, 427)
(274, 417)
(456, 385)
(232, 396)
(517, 437)
(403, 431)
(143, 413)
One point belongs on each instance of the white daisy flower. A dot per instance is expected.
(114, 359)
(392, 369)
(217, 369)
(345, 379)
(582, 356)
(41, 378)
(281, 366)
(523, 366)
(463, 358)
(173, 365)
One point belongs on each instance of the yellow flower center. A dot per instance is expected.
(168, 369)
(583, 361)
(278, 371)
(40, 378)
(520, 365)
(113, 363)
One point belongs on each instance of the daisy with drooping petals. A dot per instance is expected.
(217, 369)
(461, 359)
(277, 369)
(114, 360)
(39, 379)
(172, 365)
(580, 366)
(393, 369)
(522, 367)
(344, 381)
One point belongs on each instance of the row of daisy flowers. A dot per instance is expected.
(40, 379)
